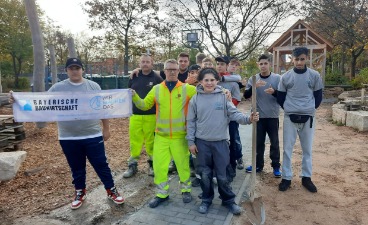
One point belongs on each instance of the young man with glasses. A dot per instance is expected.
(299, 94)
(171, 98)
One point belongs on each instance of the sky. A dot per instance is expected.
(68, 14)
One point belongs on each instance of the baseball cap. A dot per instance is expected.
(73, 62)
(223, 58)
(194, 67)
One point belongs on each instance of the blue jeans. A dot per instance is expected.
(235, 144)
(77, 152)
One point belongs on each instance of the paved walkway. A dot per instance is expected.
(174, 211)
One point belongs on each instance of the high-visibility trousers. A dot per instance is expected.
(141, 131)
(165, 149)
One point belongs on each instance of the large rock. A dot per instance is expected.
(339, 113)
(357, 120)
(10, 163)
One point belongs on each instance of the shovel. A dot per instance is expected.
(255, 210)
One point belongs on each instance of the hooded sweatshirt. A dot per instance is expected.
(209, 115)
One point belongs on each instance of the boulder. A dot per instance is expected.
(10, 163)
(357, 120)
(339, 113)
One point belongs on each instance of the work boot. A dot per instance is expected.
(131, 171)
(150, 168)
(157, 201)
(187, 197)
(308, 184)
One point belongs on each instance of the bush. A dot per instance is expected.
(360, 79)
(335, 78)
(23, 83)
(8, 84)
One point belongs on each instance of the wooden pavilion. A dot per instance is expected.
(300, 34)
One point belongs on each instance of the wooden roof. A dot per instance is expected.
(297, 28)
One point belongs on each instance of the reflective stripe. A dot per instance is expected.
(185, 186)
(167, 121)
(157, 93)
(167, 130)
(163, 188)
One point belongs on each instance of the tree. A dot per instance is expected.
(15, 35)
(38, 46)
(231, 24)
(345, 22)
(118, 18)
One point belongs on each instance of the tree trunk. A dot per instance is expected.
(126, 54)
(53, 64)
(38, 50)
(71, 48)
(15, 71)
(1, 86)
(353, 65)
(343, 60)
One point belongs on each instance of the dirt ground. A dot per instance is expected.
(340, 172)
(340, 165)
(44, 181)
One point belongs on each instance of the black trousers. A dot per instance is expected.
(268, 126)
(214, 156)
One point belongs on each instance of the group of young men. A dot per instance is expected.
(159, 122)
(298, 92)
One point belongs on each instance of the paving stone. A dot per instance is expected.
(186, 216)
(214, 216)
(204, 219)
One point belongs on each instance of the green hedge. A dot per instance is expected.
(360, 79)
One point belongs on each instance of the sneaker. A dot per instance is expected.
(203, 207)
(308, 184)
(284, 185)
(196, 182)
(187, 197)
(234, 208)
(249, 169)
(240, 164)
(114, 195)
(80, 196)
(277, 172)
(157, 201)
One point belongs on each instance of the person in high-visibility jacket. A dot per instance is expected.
(171, 99)
(142, 123)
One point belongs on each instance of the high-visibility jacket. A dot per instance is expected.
(171, 107)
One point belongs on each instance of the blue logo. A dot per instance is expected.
(25, 105)
(219, 106)
(96, 103)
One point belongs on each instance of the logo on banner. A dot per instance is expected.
(25, 105)
(96, 103)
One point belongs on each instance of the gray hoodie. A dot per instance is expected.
(209, 115)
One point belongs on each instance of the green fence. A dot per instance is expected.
(111, 82)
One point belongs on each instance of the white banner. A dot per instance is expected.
(68, 106)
